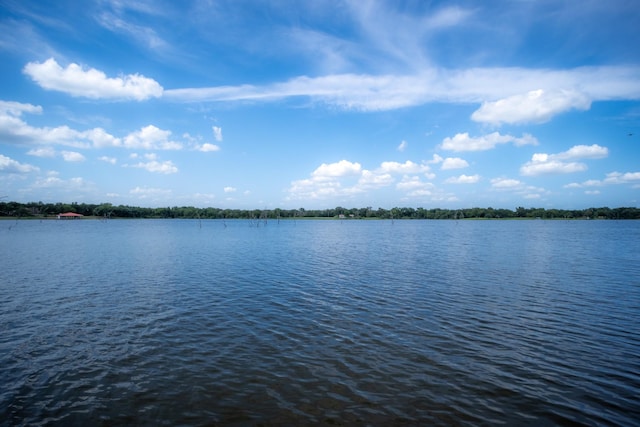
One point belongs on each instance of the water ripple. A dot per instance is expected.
(311, 322)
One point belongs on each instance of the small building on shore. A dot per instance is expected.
(69, 215)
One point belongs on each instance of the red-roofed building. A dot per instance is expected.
(69, 215)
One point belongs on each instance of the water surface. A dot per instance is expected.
(187, 322)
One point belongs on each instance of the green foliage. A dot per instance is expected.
(107, 210)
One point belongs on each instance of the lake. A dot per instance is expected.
(298, 322)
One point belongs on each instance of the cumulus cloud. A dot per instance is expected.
(338, 169)
(622, 178)
(505, 183)
(229, 189)
(16, 109)
(463, 179)
(537, 106)
(464, 142)
(207, 147)
(100, 138)
(11, 166)
(72, 156)
(561, 163)
(402, 168)
(53, 181)
(76, 80)
(14, 130)
(345, 178)
(42, 152)
(454, 163)
(611, 178)
(435, 160)
(594, 151)
(108, 159)
(166, 167)
(371, 179)
(151, 138)
(414, 186)
(403, 146)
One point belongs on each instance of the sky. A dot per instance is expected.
(251, 104)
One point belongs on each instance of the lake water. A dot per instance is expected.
(187, 322)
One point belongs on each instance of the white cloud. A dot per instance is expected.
(435, 160)
(72, 156)
(166, 167)
(611, 178)
(537, 106)
(454, 163)
(75, 80)
(371, 179)
(403, 146)
(52, 181)
(594, 151)
(108, 159)
(9, 165)
(217, 133)
(42, 152)
(463, 142)
(475, 85)
(14, 130)
(402, 168)
(229, 189)
(337, 179)
(463, 179)
(542, 163)
(145, 36)
(100, 138)
(622, 178)
(413, 186)
(338, 169)
(151, 138)
(207, 147)
(16, 109)
(544, 167)
(149, 193)
(505, 183)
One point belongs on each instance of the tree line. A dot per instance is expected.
(107, 210)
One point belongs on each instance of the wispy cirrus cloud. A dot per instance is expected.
(547, 92)
(217, 133)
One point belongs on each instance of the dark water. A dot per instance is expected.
(174, 322)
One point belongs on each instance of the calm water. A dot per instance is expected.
(178, 322)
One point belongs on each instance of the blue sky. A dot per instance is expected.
(318, 104)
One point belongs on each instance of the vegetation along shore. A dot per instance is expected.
(107, 210)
